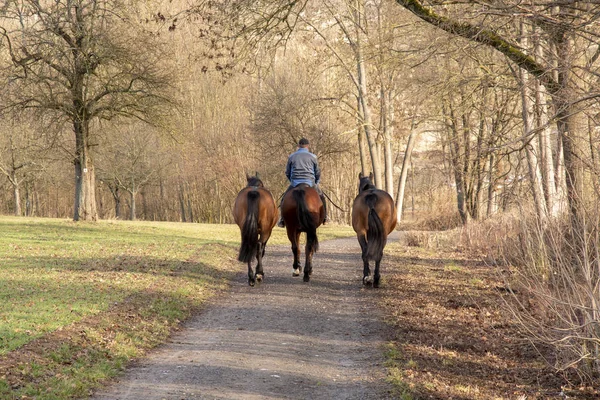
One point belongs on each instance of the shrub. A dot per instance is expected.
(556, 291)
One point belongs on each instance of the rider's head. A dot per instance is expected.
(303, 143)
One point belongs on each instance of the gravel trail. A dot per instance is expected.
(283, 339)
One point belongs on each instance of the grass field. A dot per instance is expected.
(78, 300)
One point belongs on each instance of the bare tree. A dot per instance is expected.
(20, 156)
(131, 159)
(81, 61)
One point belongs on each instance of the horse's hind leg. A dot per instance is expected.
(362, 240)
(260, 252)
(377, 276)
(295, 239)
(308, 264)
(251, 276)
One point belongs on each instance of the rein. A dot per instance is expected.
(331, 201)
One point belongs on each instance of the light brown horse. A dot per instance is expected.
(302, 211)
(255, 213)
(373, 219)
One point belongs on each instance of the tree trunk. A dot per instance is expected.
(145, 210)
(364, 162)
(368, 128)
(531, 149)
(549, 184)
(571, 127)
(479, 168)
(85, 176)
(361, 150)
(117, 198)
(163, 203)
(458, 168)
(459, 180)
(28, 202)
(404, 173)
(182, 203)
(16, 193)
(491, 194)
(464, 154)
(388, 130)
(132, 205)
(35, 207)
(366, 108)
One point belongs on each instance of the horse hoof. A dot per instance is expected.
(306, 278)
(367, 280)
(259, 278)
(251, 283)
(296, 272)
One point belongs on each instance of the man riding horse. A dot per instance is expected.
(303, 167)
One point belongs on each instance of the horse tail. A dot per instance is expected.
(375, 235)
(305, 220)
(250, 228)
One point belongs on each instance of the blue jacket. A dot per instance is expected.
(302, 167)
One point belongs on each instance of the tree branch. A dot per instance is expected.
(484, 36)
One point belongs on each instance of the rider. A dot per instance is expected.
(302, 167)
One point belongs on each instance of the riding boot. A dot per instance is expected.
(325, 219)
(281, 222)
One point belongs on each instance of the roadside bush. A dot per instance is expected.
(438, 220)
(417, 239)
(556, 291)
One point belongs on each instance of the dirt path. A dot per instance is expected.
(283, 339)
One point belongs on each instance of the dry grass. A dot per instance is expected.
(454, 337)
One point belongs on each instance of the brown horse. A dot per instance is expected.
(255, 213)
(302, 211)
(373, 219)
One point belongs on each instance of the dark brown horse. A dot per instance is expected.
(373, 219)
(302, 211)
(255, 213)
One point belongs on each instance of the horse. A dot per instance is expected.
(302, 211)
(373, 219)
(255, 212)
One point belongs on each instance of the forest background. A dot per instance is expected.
(473, 114)
(224, 108)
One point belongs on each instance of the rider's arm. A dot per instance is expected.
(317, 172)
(288, 169)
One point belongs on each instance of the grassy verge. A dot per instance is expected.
(78, 300)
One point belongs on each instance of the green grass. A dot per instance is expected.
(395, 365)
(453, 268)
(97, 294)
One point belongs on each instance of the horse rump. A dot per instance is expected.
(305, 220)
(249, 244)
(376, 237)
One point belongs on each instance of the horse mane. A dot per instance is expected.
(254, 181)
(365, 184)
